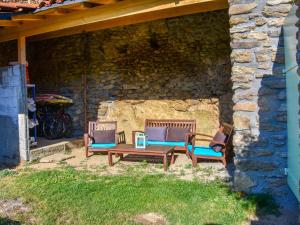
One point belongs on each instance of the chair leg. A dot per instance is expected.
(194, 161)
(224, 162)
(86, 152)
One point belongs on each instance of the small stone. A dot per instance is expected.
(265, 91)
(242, 29)
(244, 44)
(242, 70)
(243, 86)
(241, 8)
(262, 55)
(258, 35)
(248, 107)
(277, 10)
(181, 106)
(276, 22)
(237, 20)
(243, 78)
(260, 21)
(264, 66)
(241, 56)
(277, 2)
(247, 96)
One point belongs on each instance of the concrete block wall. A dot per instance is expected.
(12, 103)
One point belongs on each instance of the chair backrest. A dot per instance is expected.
(102, 125)
(226, 129)
(191, 124)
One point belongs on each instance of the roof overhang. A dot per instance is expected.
(91, 16)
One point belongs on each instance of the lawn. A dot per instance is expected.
(68, 196)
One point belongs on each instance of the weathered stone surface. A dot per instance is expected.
(243, 182)
(258, 152)
(275, 83)
(281, 117)
(241, 8)
(241, 56)
(262, 55)
(238, 20)
(248, 107)
(244, 44)
(277, 22)
(260, 21)
(242, 28)
(277, 11)
(263, 104)
(256, 165)
(258, 35)
(161, 69)
(250, 96)
(242, 70)
(241, 122)
(277, 2)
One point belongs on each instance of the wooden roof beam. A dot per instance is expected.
(112, 15)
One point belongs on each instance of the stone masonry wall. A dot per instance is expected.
(260, 139)
(177, 68)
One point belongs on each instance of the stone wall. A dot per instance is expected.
(260, 140)
(177, 68)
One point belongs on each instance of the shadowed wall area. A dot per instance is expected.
(176, 68)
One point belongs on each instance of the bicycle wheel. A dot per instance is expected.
(52, 128)
(67, 125)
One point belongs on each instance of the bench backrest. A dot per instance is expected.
(102, 125)
(191, 124)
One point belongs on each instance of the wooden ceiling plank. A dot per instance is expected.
(123, 13)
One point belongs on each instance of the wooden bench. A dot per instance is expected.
(190, 124)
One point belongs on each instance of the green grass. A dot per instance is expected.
(68, 196)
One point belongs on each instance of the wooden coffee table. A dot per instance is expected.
(152, 150)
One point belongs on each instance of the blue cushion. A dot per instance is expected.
(167, 143)
(103, 145)
(205, 151)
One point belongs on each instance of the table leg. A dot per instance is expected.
(110, 161)
(121, 156)
(172, 158)
(165, 163)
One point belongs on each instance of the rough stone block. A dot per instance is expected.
(277, 10)
(248, 107)
(241, 8)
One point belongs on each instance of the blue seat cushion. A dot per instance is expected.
(167, 143)
(109, 145)
(205, 151)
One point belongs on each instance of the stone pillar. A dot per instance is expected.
(259, 95)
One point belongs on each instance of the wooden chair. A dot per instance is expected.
(101, 125)
(203, 152)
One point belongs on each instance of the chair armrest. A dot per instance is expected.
(219, 143)
(205, 135)
(86, 139)
(120, 137)
(133, 135)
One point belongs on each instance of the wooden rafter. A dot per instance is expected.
(111, 15)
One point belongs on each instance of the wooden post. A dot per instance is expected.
(22, 50)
